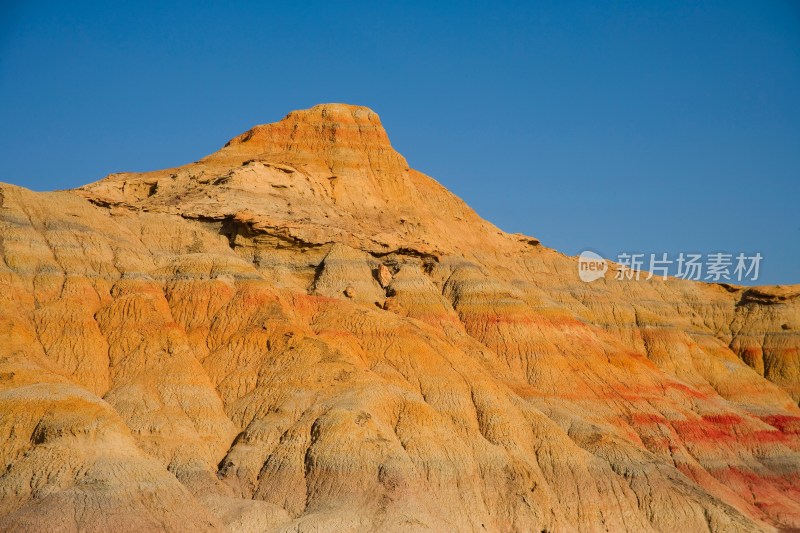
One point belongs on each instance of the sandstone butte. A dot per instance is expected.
(300, 333)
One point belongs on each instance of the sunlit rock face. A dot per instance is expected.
(301, 333)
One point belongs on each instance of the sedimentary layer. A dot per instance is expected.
(299, 332)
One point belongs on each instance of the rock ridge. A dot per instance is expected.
(299, 332)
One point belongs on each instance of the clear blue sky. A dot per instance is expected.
(628, 126)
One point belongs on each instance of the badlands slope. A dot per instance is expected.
(301, 333)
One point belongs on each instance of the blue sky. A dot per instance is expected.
(632, 127)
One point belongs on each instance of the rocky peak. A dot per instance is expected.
(321, 175)
(341, 138)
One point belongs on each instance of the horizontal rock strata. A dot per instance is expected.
(301, 333)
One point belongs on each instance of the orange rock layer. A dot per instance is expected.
(300, 333)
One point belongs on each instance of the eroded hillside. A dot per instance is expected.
(301, 333)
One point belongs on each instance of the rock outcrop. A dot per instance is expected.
(301, 333)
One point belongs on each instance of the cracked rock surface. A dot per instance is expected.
(300, 333)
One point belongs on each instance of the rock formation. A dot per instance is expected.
(301, 333)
